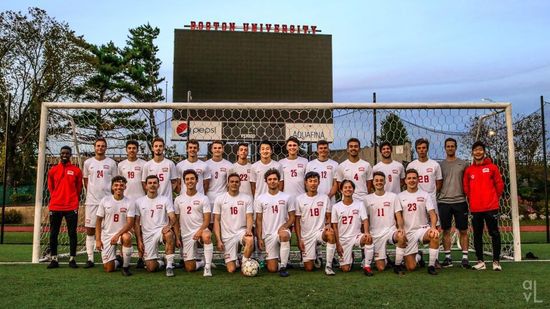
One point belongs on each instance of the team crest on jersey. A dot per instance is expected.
(472, 177)
(248, 170)
(485, 170)
(123, 209)
(420, 199)
(222, 169)
(165, 170)
(159, 206)
(320, 204)
(361, 169)
(282, 202)
(240, 203)
(300, 165)
(199, 171)
(196, 202)
(105, 167)
(70, 173)
(395, 172)
(137, 168)
(355, 212)
(429, 170)
(387, 204)
(329, 167)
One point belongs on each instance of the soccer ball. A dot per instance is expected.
(250, 268)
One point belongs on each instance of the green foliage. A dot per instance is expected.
(19, 198)
(393, 130)
(13, 216)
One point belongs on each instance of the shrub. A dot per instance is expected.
(18, 198)
(13, 217)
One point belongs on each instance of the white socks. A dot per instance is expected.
(208, 252)
(90, 244)
(331, 248)
(285, 252)
(170, 260)
(433, 256)
(126, 256)
(369, 254)
(399, 253)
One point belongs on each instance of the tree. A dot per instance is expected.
(393, 130)
(41, 60)
(142, 72)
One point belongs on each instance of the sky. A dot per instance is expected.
(405, 51)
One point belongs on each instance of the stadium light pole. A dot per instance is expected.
(374, 138)
(542, 102)
(5, 169)
(166, 111)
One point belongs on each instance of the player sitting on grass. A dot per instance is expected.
(115, 219)
(312, 224)
(417, 207)
(233, 218)
(347, 217)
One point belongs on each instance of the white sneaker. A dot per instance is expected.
(479, 266)
(207, 272)
(329, 271)
(169, 272)
(496, 266)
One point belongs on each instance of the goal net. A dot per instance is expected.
(79, 124)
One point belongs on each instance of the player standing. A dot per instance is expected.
(393, 170)
(243, 168)
(294, 168)
(233, 218)
(115, 219)
(326, 168)
(347, 218)
(430, 178)
(199, 166)
(163, 168)
(219, 169)
(154, 221)
(98, 172)
(452, 203)
(417, 208)
(132, 169)
(259, 168)
(355, 169)
(275, 215)
(313, 224)
(193, 214)
(386, 222)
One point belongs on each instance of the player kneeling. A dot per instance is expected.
(384, 211)
(274, 216)
(233, 218)
(155, 219)
(193, 213)
(347, 217)
(115, 219)
(313, 224)
(417, 205)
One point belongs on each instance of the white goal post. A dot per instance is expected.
(251, 122)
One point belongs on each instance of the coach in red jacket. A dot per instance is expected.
(483, 187)
(65, 186)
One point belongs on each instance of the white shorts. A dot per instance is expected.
(231, 246)
(413, 238)
(273, 245)
(380, 243)
(109, 251)
(310, 245)
(91, 215)
(151, 243)
(347, 246)
(189, 248)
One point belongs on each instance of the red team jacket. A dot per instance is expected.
(483, 186)
(65, 186)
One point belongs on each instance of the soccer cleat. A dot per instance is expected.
(479, 266)
(318, 262)
(398, 269)
(207, 272)
(119, 259)
(126, 271)
(389, 263)
(72, 264)
(53, 264)
(335, 263)
(329, 271)
(89, 264)
(447, 263)
(421, 262)
(496, 266)
(437, 265)
(179, 264)
(170, 272)
(283, 272)
(431, 270)
(140, 264)
(368, 271)
(465, 264)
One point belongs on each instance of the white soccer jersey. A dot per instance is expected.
(327, 173)
(312, 211)
(165, 171)
(428, 173)
(245, 174)
(349, 219)
(132, 171)
(381, 211)
(415, 209)
(198, 166)
(294, 172)
(258, 172)
(359, 172)
(233, 211)
(191, 210)
(394, 172)
(114, 214)
(274, 210)
(153, 213)
(99, 175)
(218, 178)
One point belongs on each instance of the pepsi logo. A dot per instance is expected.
(182, 130)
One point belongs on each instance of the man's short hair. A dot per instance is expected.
(132, 142)
(100, 139)
(293, 139)
(478, 144)
(118, 178)
(352, 140)
(233, 175)
(322, 142)
(242, 144)
(266, 142)
(385, 144)
(158, 139)
(411, 171)
(152, 177)
(421, 141)
(67, 148)
(311, 174)
(347, 181)
(450, 139)
(272, 171)
(192, 142)
(190, 171)
(379, 173)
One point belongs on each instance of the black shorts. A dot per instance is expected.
(457, 210)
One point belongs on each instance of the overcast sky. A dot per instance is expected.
(405, 51)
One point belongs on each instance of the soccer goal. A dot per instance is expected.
(79, 124)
